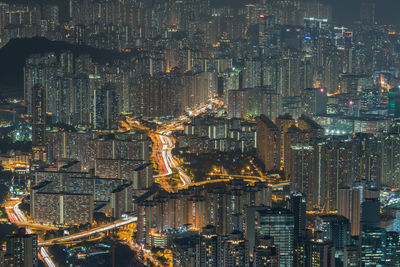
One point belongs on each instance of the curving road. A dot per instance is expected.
(163, 143)
(15, 215)
(168, 160)
(89, 232)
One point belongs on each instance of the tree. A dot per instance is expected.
(5, 230)
(3, 192)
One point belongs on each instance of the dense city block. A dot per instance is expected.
(199, 133)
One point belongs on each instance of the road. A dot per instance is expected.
(168, 160)
(166, 155)
(164, 142)
(144, 255)
(16, 216)
(87, 233)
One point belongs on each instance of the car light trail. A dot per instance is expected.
(90, 232)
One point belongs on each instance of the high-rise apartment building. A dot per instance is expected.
(38, 108)
(279, 224)
(349, 206)
(284, 122)
(335, 228)
(266, 253)
(320, 253)
(307, 172)
(314, 101)
(268, 143)
(80, 100)
(38, 115)
(297, 204)
(23, 249)
(390, 161)
(105, 108)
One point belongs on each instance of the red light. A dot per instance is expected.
(321, 90)
(351, 102)
(261, 16)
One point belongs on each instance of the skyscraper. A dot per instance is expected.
(297, 205)
(335, 228)
(284, 123)
(394, 102)
(348, 52)
(307, 172)
(390, 162)
(105, 108)
(38, 115)
(279, 224)
(373, 242)
(38, 123)
(350, 207)
(314, 101)
(80, 100)
(268, 143)
(351, 256)
(356, 198)
(370, 213)
(367, 13)
(236, 251)
(320, 253)
(392, 248)
(266, 253)
(23, 248)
